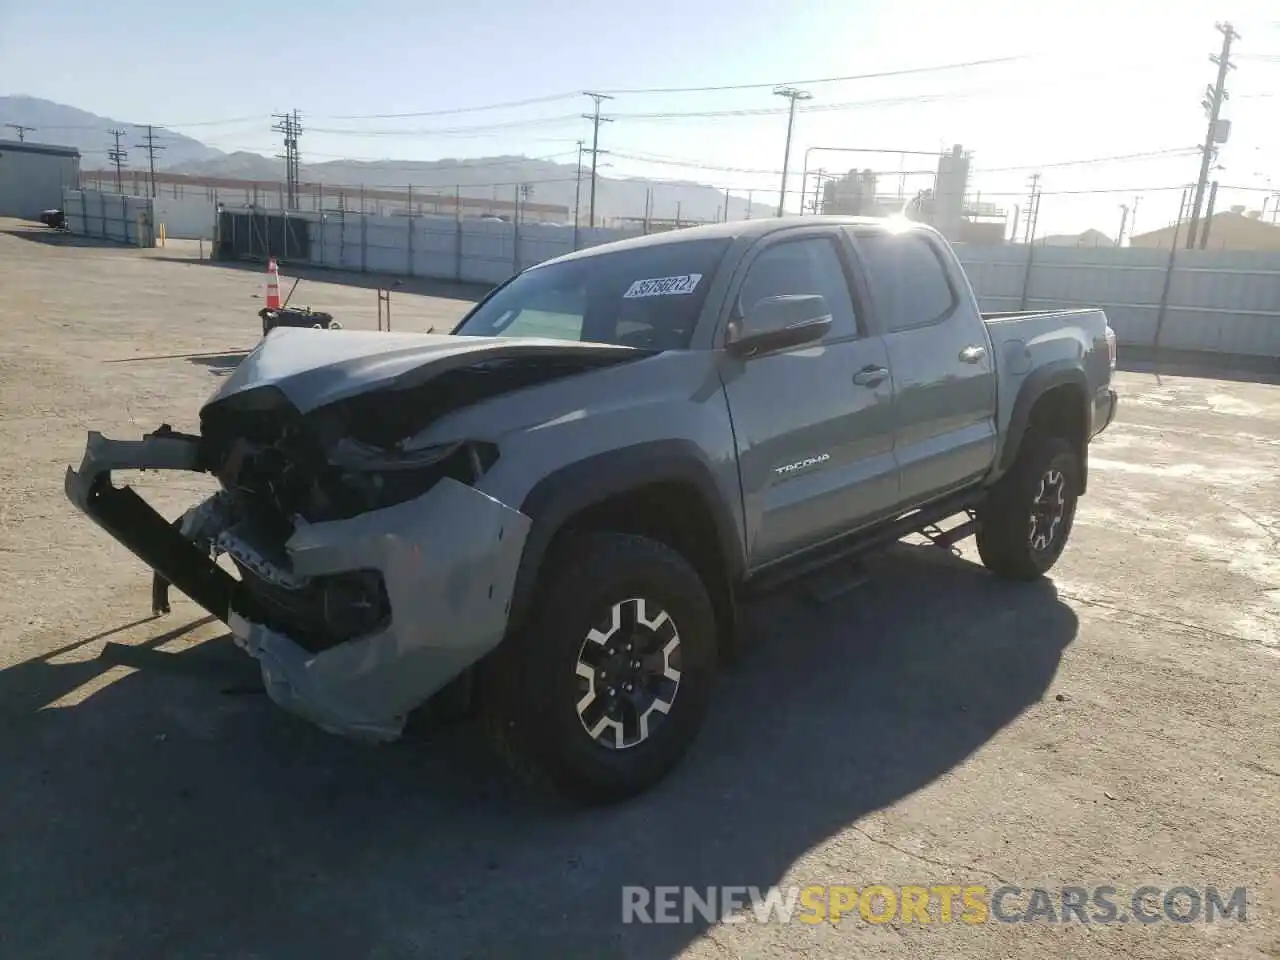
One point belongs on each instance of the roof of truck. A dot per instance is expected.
(733, 230)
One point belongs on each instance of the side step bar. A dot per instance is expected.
(923, 521)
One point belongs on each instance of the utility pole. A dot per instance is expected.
(1124, 216)
(577, 193)
(596, 120)
(290, 125)
(1208, 215)
(117, 157)
(22, 131)
(1033, 207)
(152, 149)
(1133, 218)
(526, 191)
(1212, 103)
(749, 194)
(792, 94)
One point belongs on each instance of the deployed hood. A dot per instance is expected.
(314, 368)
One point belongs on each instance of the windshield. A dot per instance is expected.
(646, 297)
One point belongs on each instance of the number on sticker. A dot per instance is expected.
(663, 286)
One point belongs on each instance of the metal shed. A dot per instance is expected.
(33, 175)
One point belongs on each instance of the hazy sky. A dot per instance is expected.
(1095, 79)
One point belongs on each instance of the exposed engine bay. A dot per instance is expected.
(370, 571)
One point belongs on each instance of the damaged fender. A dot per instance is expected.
(448, 559)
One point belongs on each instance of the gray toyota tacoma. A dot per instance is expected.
(560, 506)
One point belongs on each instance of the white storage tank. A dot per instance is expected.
(33, 176)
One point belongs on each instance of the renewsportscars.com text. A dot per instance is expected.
(971, 904)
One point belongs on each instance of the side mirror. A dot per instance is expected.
(779, 323)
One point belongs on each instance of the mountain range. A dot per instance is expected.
(497, 177)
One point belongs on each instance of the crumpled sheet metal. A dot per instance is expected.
(449, 561)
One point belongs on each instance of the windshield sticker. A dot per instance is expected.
(663, 287)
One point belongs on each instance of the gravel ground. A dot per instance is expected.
(1114, 725)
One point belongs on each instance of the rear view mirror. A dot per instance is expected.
(779, 323)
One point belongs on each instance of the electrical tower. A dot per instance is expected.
(596, 120)
(149, 144)
(289, 124)
(792, 94)
(22, 131)
(117, 157)
(1212, 103)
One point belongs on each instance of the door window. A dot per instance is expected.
(802, 267)
(908, 281)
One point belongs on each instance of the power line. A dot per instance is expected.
(554, 97)
(256, 118)
(1150, 154)
(508, 105)
(698, 165)
(152, 149)
(448, 131)
(596, 120)
(813, 80)
(1088, 192)
(117, 157)
(22, 131)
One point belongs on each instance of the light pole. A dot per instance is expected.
(792, 94)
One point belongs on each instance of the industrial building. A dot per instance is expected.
(944, 206)
(33, 176)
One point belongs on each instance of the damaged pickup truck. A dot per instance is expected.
(566, 499)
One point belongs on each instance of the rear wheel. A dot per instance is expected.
(1028, 515)
(602, 693)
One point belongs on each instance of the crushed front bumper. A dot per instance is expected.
(447, 559)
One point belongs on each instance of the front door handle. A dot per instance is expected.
(973, 354)
(871, 376)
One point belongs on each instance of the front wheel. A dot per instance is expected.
(602, 693)
(1025, 523)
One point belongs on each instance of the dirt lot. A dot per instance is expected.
(1115, 726)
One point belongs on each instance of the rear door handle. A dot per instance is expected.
(871, 376)
(973, 354)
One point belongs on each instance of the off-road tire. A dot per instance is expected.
(1007, 531)
(529, 689)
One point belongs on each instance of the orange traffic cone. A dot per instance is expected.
(273, 285)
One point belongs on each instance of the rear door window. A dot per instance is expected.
(908, 281)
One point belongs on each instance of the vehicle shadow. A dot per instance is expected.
(219, 364)
(424, 286)
(39, 233)
(162, 816)
(1202, 365)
